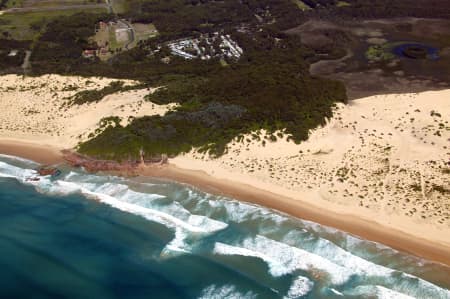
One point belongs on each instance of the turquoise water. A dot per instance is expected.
(93, 236)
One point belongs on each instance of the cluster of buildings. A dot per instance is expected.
(206, 47)
(102, 41)
(13, 53)
(123, 34)
(115, 36)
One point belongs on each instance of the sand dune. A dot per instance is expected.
(36, 109)
(384, 158)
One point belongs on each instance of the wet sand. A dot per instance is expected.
(349, 223)
(364, 228)
(32, 151)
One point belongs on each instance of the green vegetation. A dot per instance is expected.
(342, 4)
(301, 5)
(441, 189)
(342, 174)
(92, 96)
(380, 53)
(114, 45)
(120, 6)
(60, 46)
(4, 4)
(28, 25)
(12, 53)
(416, 187)
(268, 88)
(218, 104)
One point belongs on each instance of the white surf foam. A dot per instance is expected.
(5, 175)
(283, 259)
(122, 198)
(321, 257)
(300, 287)
(336, 292)
(225, 292)
(150, 214)
(339, 256)
(8, 170)
(328, 260)
(379, 292)
(15, 158)
(239, 212)
(384, 293)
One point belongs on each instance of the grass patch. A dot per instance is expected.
(27, 25)
(6, 4)
(301, 5)
(120, 6)
(93, 96)
(343, 4)
(380, 53)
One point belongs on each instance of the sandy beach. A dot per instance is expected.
(33, 151)
(378, 169)
(383, 158)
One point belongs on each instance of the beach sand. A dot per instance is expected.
(384, 158)
(378, 169)
(37, 109)
(33, 151)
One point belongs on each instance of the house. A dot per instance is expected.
(13, 53)
(103, 51)
(89, 53)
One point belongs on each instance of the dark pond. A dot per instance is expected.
(416, 51)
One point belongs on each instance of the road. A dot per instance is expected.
(26, 62)
(109, 6)
(55, 8)
(131, 29)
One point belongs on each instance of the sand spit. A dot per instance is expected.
(36, 108)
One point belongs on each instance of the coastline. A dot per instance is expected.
(297, 207)
(40, 153)
(415, 244)
(377, 169)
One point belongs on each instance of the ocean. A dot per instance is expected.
(95, 236)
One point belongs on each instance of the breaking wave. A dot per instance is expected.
(296, 251)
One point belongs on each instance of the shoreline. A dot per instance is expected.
(389, 235)
(349, 223)
(43, 154)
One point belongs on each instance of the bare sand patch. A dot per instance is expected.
(384, 158)
(379, 168)
(37, 109)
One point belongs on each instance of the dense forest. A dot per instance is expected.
(59, 47)
(270, 90)
(369, 9)
(3, 4)
(9, 59)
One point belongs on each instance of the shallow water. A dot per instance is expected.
(158, 239)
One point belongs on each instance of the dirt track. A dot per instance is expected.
(56, 8)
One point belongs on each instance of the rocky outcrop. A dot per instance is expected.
(48, 170)
(93, 165)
